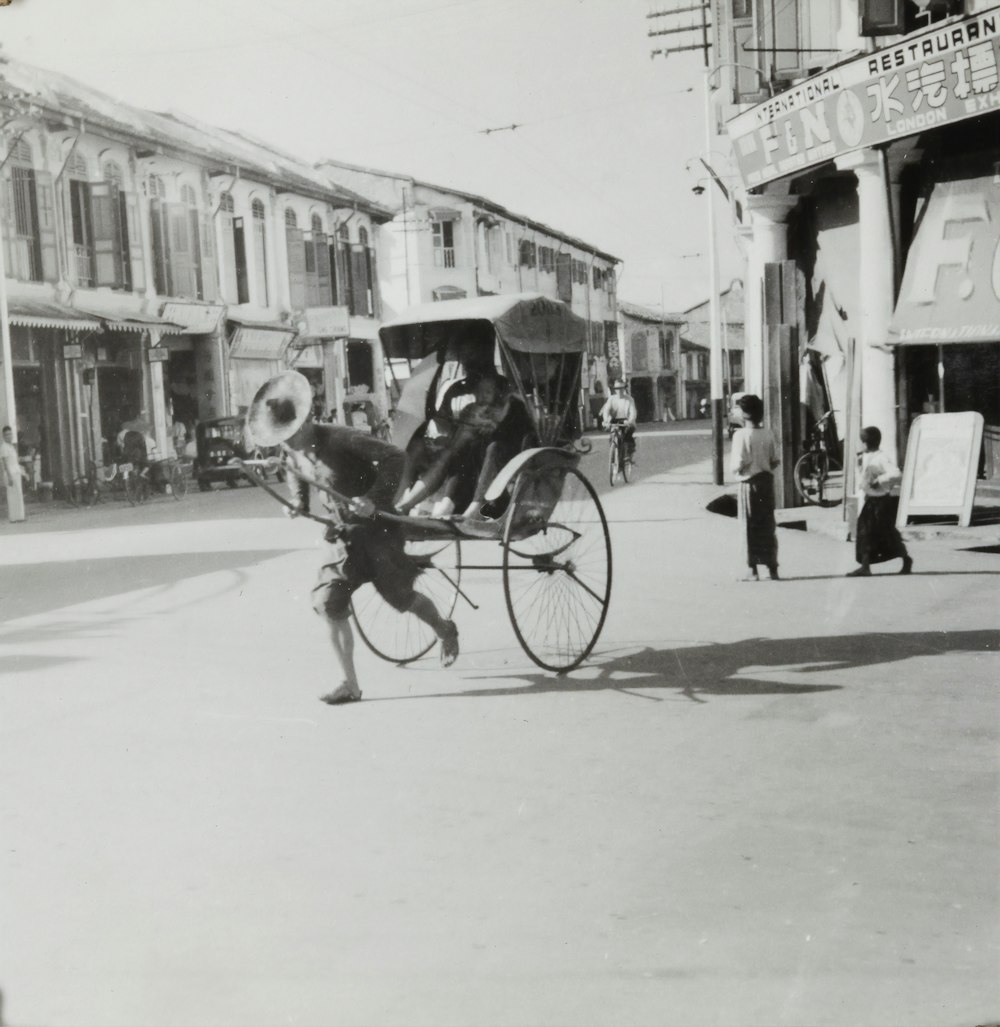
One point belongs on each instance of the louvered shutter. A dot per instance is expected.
(296, 267)
(161, 247)
(230, 288)
(106, 234)
(373, 296)
(46, 211)
(322, 247)
(181, 259)
(564, 277)
(209, 266)
(132, 241)
(359, 283)
(9, 226)
(240, 259)
(344, 294)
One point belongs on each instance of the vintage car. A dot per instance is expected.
(221, 446)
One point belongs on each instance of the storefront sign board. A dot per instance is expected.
(158, 356)
(939, 475)
(327, 323)
(72, 351)
(932, 78)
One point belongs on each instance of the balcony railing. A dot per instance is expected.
(82, 265)
(444, 256)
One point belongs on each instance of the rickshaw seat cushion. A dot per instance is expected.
(539, 456)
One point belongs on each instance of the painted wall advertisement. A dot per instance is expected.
(942, 75)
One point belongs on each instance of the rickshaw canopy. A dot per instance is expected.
(524, 322)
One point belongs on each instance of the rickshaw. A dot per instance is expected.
(545, 517)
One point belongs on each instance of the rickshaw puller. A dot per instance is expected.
(362, 549)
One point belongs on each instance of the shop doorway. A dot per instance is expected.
(360, 370)
(181, 388)
(642, 393)
(119, 399)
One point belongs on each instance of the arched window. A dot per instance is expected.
(343, 234)
(226, 203)
(363, 235)
(259, 216)
(76, 167)
(112, 173)
(235, 280)
(316, 224)
(188, 197)
(28, 258)
(291, 218)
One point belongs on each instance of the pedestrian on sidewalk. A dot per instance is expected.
(13, 472)
(359, 547)
(878, 538)
(753, 459)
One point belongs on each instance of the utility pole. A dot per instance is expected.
(696, 17)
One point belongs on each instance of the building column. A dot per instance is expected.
(876, 294)
(768, 239)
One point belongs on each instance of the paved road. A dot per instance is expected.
(770, 804)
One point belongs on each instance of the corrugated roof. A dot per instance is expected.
(36, 314)
(60, 94)
(648, 313)
(481, 201)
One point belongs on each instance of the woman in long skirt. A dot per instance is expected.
(754, 458)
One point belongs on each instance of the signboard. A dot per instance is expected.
(935, 77)
(72, 351)
(158, 356)
(951, 286)
(326, 323)
(942, 457)
(196, 318)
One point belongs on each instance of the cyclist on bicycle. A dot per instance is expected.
(620, 409)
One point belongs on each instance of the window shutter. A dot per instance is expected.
(344, 295)
(181, 258)
(45, 198)
(240, 261)
(374, 307)
(9, 226)
(564, 277)
(230, 290)
(104, 209)
(161, 248)
(209, 266)
(322, 248)
(359, 283)
(296, 267)
(132, 243)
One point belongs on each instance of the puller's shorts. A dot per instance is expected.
(366, 553)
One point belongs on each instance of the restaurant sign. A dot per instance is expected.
(932, 78)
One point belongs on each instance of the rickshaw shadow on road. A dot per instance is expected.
(752, 666)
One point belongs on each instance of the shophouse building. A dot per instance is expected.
(652, 361)
(696, 338)
(867, 136)
(160, 270)
(445, 244)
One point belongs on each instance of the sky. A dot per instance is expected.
(429, 88)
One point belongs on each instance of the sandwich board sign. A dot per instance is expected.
(939, 476)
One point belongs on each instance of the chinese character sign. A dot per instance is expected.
(933, 78)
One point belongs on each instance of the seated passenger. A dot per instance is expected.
(477, 425)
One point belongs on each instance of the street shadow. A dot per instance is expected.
(751, 666)
(886, 574)
(34, 588)
(18, 663)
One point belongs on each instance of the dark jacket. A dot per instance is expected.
(352, 462)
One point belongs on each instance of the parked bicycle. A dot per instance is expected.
(135, 483)
(619, 460)
(819, 474)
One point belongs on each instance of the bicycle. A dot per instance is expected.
(619, 462)
(818, 474)
(170, 478)
(90, 488)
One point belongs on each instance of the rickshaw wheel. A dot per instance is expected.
(403, 637)
(136, 487)
(557, 578)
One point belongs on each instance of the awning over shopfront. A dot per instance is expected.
(196, 318)
(260, 343)
(951, 285)
(35, 314)
(131, 324)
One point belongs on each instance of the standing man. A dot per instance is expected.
(360, 548)
(620, 409)
(13, 472)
